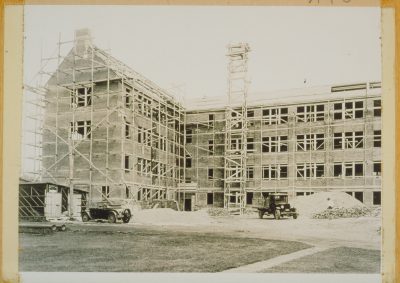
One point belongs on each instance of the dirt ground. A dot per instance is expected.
(361, 232)
(159, 240)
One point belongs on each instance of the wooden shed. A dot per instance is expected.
(42, 201)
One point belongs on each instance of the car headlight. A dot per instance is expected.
(282, 207)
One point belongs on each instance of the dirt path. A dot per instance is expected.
(265, 264)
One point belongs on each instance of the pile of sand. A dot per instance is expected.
(168, 216)
(307, 206)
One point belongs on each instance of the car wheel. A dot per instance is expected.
(53, 228)
(295, 216)
(127, 216)
(260, 214)
(62, 228)
(85, 217)
(112, 218)
(277, 214)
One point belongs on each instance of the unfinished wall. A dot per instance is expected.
(319, 119)
(127, 135)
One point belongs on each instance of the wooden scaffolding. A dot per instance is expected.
(236, 128)
(108, 127)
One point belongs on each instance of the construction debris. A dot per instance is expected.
(221, 212)
(341, 212)
(308, 206)
(217, 212)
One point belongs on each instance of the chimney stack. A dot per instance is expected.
(83, 41)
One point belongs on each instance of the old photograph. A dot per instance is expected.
(201, 139)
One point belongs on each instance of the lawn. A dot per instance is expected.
(335, 260)
(144, 250)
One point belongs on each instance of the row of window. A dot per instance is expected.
(344, 140)
(316, 112)
(307, 113)
(308, 171)
(82, 97)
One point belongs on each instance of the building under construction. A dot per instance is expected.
(111, 132)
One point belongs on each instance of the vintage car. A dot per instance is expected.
(275, 204)
(111, 210)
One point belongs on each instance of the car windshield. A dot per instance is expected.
(281, 199)
(115, 202)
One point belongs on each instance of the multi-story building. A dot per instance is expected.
(115, 133)
(110, 130)
(300, 142)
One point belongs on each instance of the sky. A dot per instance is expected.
(183, 49)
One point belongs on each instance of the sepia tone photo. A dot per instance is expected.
(201, 140)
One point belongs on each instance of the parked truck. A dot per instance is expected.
(275, 204)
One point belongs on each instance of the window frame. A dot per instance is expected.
(275, 115)
(274, 172)
(189, 136)
(211, 147)
(306, 171)
(210, 200)
(348, 113)
(250, 171)
(348, 140)
(349, 167)
(81, 130)
(377, 165)
(127, 163)
(310, 113)
(377, 138)
(105, 192)
(250, 145)
(210, 177)
(377, 107)
(79, 99)
(128, 134)
(128, 98)
(278, 143)
(188, 161)
(307, 142)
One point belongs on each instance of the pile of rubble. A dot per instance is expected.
(318, 203)
(342, 212)
(217, 212)
(222, 212)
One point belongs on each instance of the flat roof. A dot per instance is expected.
(288, 97)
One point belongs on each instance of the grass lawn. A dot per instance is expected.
(335, 260)
(143, 250)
